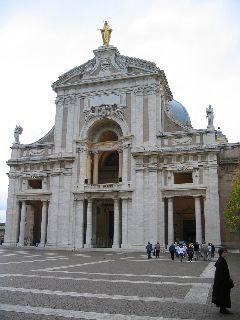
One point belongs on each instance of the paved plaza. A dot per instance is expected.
(102, 284)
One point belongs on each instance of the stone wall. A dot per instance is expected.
(170, 126)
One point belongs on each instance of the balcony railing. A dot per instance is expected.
(107, 187)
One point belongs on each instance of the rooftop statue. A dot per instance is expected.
(17, 131)
(210, 116)
(106, 33)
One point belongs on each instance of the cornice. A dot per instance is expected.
(172, 150)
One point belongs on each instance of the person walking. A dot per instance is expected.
(222, 283)
(176, 250)
(204, 251)
(190, 252)
(157, 249)
(172, 250)
(196, 250)
(180, 252)
(209, 251)
(149, 250)
(213, 250)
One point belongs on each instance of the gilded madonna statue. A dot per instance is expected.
(106, 33)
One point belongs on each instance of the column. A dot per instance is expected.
(95, 168)
(78, 232)
(89, 225)
(120, 154)
(198, 220)
(89, 167)
(22, 224)
(152, 116)
(204, 212)
(125, 164)
(124, 223)
(138, 207)
(170, 221)
(116, 240)
(83, 160)
(138, 129)
(43, 224)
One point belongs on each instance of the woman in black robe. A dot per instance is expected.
(222, 284)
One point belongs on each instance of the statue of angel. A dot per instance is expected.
(17, 131)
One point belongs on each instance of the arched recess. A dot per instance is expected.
(104, 160)
(94, 122)
(103, 129)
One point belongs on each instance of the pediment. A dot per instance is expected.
(106, 64)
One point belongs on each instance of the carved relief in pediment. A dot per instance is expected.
(33, 152)
(104, 111)
(36, 152)
(182, 140)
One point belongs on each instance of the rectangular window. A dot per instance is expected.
(183, 177)
(35, 184)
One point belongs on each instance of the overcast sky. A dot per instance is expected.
(196, 43)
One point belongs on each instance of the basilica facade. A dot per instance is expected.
(121, 166)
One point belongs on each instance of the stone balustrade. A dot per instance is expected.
(106, 187)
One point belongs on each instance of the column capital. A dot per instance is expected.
(115, 198)
(124, 197)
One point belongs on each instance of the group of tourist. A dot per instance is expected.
(155, 251)
(193, 251)
(181, 250)
(222, 281)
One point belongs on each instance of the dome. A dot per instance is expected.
(178, 112)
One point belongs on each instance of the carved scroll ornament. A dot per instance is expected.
(104, 111)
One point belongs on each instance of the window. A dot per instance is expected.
(183, 177)
(35, 184)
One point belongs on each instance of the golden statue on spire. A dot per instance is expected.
(106, 33)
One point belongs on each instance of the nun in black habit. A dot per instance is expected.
(222, 284)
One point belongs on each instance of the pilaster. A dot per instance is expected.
(212, 218)
(78, 233)
(198, 220)
(170, 222)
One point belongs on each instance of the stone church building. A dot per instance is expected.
(121, 166)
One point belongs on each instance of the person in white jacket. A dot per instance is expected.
(180, 252)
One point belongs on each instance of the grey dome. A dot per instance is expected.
(178, 112)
